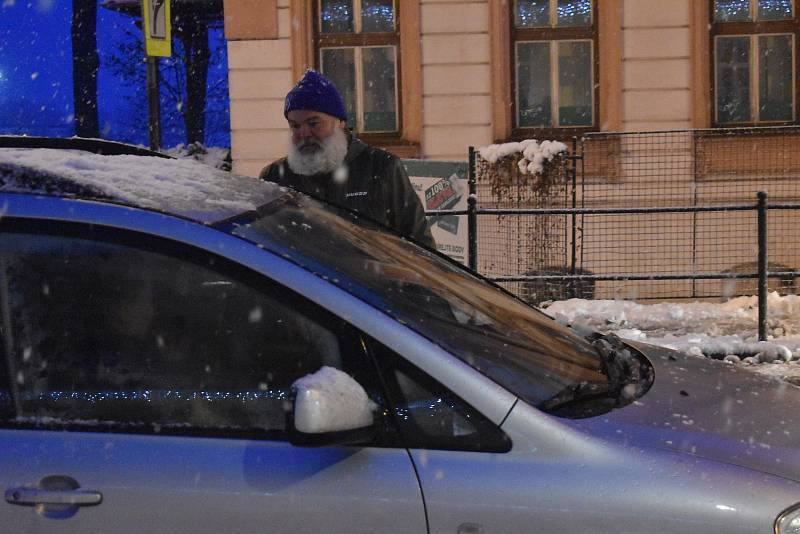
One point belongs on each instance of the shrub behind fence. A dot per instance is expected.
(529, 244)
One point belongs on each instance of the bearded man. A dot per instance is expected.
(325, 160)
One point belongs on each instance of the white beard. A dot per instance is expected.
(327, 160)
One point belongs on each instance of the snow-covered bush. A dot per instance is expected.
(534, 155)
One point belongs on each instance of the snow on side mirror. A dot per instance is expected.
(330, 407)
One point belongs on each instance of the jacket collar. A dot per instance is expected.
(355, 146)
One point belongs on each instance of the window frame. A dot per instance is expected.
(752, 29)
(553, 34)
(306, 39)
(358, 41)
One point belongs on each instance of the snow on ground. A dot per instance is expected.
(725, 331)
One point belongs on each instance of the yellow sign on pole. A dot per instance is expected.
(157, 29)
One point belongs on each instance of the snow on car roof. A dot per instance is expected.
(180, 186)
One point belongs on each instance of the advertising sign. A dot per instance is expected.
(442, 185)
(156, 27)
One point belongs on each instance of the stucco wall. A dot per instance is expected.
(260, 74)
(656, 55)
(456, 78)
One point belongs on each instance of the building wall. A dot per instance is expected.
(656, 59)
(456, 77)
(260, 74)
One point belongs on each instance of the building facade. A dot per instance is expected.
(428, 78)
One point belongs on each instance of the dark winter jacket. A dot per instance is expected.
(377, 186)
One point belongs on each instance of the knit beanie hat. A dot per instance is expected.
(315, 92)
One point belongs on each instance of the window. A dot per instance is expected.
(754, 43)
(358, 50)
(105, 335)
(428, 415)
(554, 44)
(115, 333)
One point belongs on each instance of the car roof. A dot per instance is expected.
(118, 173)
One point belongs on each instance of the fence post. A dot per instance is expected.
(573, 286)
(472, 216)
(762, 266)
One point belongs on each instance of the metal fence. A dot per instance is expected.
(651, 215)
(698, 250)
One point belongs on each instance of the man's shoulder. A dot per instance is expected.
(275, 171)
(379, 158)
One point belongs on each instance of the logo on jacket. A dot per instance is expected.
(355, 194)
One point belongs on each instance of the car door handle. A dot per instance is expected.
(33, 496)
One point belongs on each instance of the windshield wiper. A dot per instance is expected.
(628, 378)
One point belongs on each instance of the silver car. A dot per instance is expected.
(186, 350)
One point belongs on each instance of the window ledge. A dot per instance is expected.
(392, 143)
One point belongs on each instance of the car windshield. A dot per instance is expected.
(510, 342)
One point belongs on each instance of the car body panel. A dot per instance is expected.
(201, 485)
(558, 479)
(710, 409)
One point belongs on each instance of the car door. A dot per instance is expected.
(145, 387)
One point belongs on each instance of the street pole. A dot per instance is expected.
(153, 103)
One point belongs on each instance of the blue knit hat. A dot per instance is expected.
(315, 92)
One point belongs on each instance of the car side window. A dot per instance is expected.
(106, 334)
(428, 415)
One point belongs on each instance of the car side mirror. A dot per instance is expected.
(330, 408)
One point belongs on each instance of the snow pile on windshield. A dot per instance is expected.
(217, 157)
(534, 154)
(182, 186)
(725, 331)
(330, 400)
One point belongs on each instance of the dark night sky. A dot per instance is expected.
(36, 77)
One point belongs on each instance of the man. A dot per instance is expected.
(327, 161)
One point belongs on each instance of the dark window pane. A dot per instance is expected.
(733, 79)
(532, 13)
(575, 83)
(775, 10)
(339, 65)
(574, 13)
(128, 338)
(731, 10)
(775, 88)
(380, 97)
(336, 16)
(377, 16)
(533, 84)
(429, 415)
